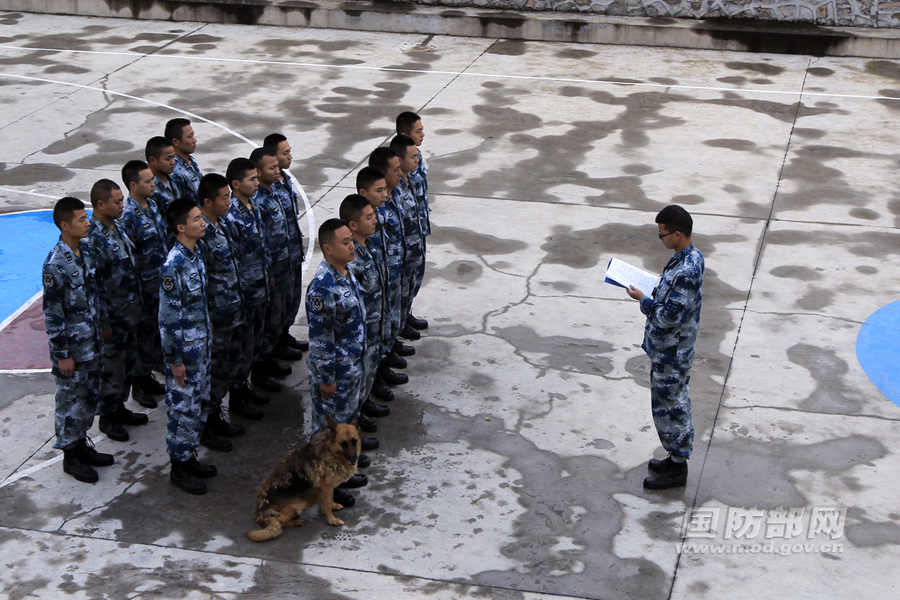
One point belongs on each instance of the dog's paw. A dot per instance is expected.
(337, 506)
(335, 521)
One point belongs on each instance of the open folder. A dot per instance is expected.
(620, 273)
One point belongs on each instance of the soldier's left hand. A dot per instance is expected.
(328, 391)
(634, 292)
(106, 335)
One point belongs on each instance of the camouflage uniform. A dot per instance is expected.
(337, 343)
(372, 280)
(422, 171)
(225, 309)
(73, 310)
(390, 234)
(163, 195)
(673, 316)
(186, 339)
(420, 192)
(117, 274)
(147, 228)
(414, 243)
(186, 178)
(290, 204)
(278, 244)
(248, 235)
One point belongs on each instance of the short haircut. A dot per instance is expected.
(675, 218)
(102, 191)
(257, 156)
(381, 158)
(273, 140)
(352, 208)
(401, 143)
(131, 172)
(175, 129)
(155, 147)
(327, 229)
(237, 169)
(405, 122)
(367, 177)
(64, 210)
(210, 186)
(177, 213)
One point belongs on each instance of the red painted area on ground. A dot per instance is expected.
(23, 343)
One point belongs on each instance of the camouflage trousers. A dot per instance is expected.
(149, 348)
(296, 297)
(393, 296)
(226, 363)
(373, 356)
(276, 308)
(188, 408)
(250, 338)
(419, 275)
(671, 406)
(415, 261)
(117, 360)
(76, 402)
(343, 406)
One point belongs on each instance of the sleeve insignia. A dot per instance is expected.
(168, 283)
(48, 280)
(68, 257)
(316, 303)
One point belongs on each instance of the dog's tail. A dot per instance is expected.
(271, 530)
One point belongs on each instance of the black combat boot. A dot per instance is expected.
(216, 423)
(671, 474)
(75, 465)
(88, 454)
(182, 477)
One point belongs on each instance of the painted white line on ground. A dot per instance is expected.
(286, 63)
(20, 310)
(30, 470)
(24, 371)
(309, 216)
(31, 193)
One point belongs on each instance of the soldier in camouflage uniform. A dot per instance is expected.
(246, 226)
(337, 335)
(186, 342)
(114, 261)
(224, 302)
(187, 174)
(673, 317)
(160, 157)
(371, 277)
(284, 187)
(392, 237)
(282, 269)
(145, 226)
(73, 310)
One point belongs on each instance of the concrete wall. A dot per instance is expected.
(857, 13)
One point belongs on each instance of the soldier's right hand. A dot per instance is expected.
(106, 335)
(180, 374)
(67, 367)
(328, 391)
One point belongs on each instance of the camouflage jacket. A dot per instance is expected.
(184, 324)
(405, 201)
(372, 282)
(420, 192)
(673, 313)
(391, 227)
(117, 272)
(73, 306)
(254, 263)
(223, 297)
(276, 225)
(289, 202)
(186, 178)
(147, 229)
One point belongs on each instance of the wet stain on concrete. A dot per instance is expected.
(884, 68)
(820, 72)
(575, 53)
(507, 48)
(865, 533)
(470, 242)
(832, 395)
(33, 173)
(796, 272)
(757, 67)
(815, 299)
(560, 353)
(459, 271)
(732, 144)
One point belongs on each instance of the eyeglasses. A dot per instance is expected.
(662, 235)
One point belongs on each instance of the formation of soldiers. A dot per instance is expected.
(199, 277)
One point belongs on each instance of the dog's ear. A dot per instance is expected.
(332, 424)
(355, 423)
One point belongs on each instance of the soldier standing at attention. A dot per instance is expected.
(414, 240)
(73, 309)
(120, 284)
(390, 219)
(186, 342)
(187, 172)
(673, 317)
(337, 335)
(161, 158)
(410, 124)
(146, 228)
(278, 244)
(281, 148)
(359, 215)
(245, 224)
(224, 302)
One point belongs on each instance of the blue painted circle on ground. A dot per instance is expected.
(878, 350)
(25, 241)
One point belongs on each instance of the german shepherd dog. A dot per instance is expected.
(304, 476)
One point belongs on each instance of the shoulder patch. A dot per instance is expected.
(48, 280)
(68, 257)
(168, 283)
(315, 303)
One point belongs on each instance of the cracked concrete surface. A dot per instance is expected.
(511, 465)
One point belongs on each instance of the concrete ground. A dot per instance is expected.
(511, 465)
